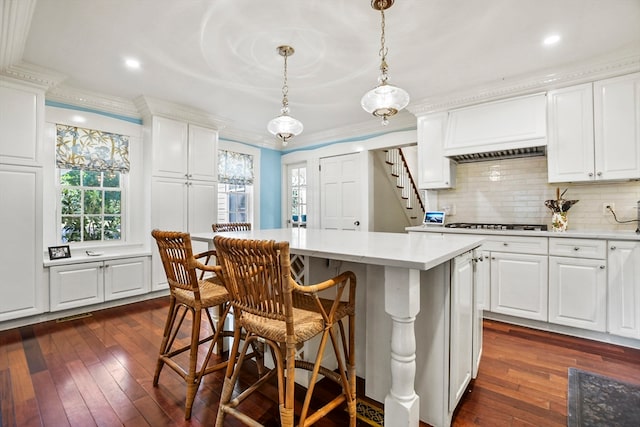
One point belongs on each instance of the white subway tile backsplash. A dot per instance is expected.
(514, 190)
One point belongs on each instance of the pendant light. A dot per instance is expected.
(284, 126)
(384, 100)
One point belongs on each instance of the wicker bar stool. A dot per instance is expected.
(272, 308)
(189, 294)
(231, 226)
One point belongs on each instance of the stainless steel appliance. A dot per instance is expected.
(483, 226)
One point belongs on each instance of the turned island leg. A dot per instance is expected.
(402, 303)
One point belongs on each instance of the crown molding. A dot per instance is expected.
(611, 66)
(93, 101)
(148, 106)
(16, 21)
(35, 75)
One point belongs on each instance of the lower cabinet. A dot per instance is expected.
(519, 285)
(578, 283)
(578, 293)
(624, 288)
(77, 285)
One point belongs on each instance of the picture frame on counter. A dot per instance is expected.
(59, 252)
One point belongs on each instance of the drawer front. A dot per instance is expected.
(578, 248)
(525, 245)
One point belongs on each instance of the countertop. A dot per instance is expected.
(79, 256)
(571, 234)
(407, 250)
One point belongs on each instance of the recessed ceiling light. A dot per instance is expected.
(132, 63)
(551, 40)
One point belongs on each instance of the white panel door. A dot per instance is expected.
(519, 285)
(126, 277)
(461, 329)
(578, 292)
(20, 108)
(570, 150)
(21, 254)
(624, 288)
(203, 153)
(76, 285)
(169, 213)
(340, 187)
(170, 139)
(617, 127)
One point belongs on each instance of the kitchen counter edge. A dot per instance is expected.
(571, 234)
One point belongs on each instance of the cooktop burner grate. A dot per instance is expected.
(484, 226)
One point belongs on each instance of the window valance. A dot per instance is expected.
(235, 168)
(93, 150)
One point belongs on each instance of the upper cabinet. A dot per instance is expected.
(21, 109)
(594, 131)
(183, 150)
(434, 170)
(508, 124)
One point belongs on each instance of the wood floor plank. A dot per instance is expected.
(98, 370)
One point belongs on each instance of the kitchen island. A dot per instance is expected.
(393, 270)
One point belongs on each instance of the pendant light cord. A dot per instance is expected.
(285, 88)
(383, 51)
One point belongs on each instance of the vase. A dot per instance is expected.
(559, 221)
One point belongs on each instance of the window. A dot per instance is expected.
(91, 166)
(90, 205)
(298, 194)
(233, 203)
(235, 186)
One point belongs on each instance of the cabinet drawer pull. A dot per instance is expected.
(493, 257)
(613, 248)
(505, 244)
(576, 248)
(602, 267)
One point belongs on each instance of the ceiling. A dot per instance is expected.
(219, 56)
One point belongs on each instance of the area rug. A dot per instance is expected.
(369, 413)
(596, 400)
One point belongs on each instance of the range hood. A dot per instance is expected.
(505, 129)
(512, 153)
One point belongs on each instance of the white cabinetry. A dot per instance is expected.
(21, 255)
(624, 288)
(578, 283)
(594, 131)
(519, 269)
(434, 170)
(462, 328)
(506, 124)
(184, 182)
(77, 285)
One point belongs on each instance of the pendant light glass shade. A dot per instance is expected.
(284, 126)
(384, 100)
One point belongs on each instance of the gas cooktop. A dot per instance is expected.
(481, 226)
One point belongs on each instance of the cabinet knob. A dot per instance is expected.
(446, 183)
(356, 223)
(613, 248)
(576, 248)
(602, 267)
(590, 173)
(493, 257)
(505, 244)
(599, 174)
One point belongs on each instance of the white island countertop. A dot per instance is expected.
(569, 234)
(405, 250)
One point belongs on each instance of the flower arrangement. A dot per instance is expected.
(560, 204)
(559, 208)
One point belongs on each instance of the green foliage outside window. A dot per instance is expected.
(91, 206)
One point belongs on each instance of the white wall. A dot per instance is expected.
(514, 191)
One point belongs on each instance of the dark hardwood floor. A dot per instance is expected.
(98, 370)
